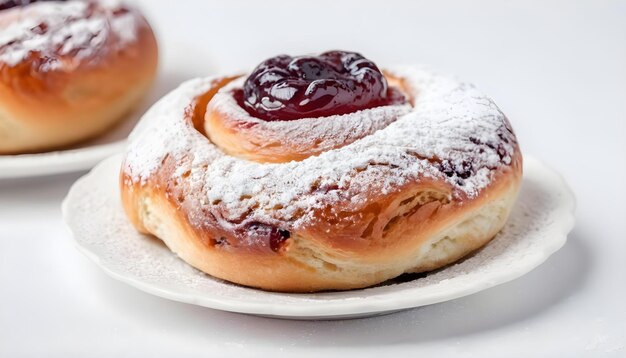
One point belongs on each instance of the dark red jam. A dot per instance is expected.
(7, 4)
(286, 88)
(271, 235)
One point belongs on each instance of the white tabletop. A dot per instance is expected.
(557, 69)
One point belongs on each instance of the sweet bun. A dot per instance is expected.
(345, 202)
(69, 70)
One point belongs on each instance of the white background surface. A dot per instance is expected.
(557, 69)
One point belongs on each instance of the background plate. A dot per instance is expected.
(175, 67)
(538, 227)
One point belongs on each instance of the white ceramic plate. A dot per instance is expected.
(80, 157)
(538, 227)
(177, 65)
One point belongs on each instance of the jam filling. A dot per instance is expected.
(270, 235)
(286, 88)
(7, 4)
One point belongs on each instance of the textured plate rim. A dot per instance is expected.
(381, 303)
(56, 162)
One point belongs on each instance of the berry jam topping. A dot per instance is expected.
(462, 170)
(7, 4)
(286, 88)
(272, 235)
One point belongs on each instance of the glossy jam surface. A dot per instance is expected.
(7, 4)
(285, 88)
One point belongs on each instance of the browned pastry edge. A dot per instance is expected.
(313, 259)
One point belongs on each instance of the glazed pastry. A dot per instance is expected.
(322, 173)
(69, 70)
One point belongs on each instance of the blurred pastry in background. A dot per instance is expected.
(69, 70)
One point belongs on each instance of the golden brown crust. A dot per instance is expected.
(421, 225)
(43, 107)
(331, 254)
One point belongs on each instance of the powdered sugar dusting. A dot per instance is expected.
(451, 126)
(57, 29)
